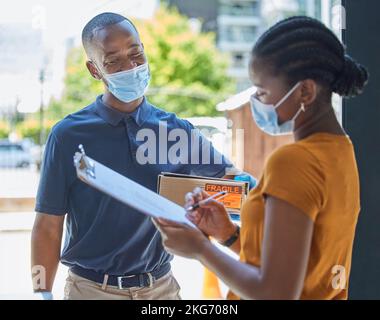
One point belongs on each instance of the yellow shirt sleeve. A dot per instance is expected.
(293, 174)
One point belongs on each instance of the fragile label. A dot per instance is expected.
(234, 194)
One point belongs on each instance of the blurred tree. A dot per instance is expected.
(4, 130)
(30, 128)
(80, 88)
(188, 72)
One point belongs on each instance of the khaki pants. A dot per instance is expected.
(78, 288)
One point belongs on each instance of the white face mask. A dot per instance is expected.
(129, 85)
(266, 117)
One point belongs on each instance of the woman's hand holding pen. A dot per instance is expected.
(210, 216)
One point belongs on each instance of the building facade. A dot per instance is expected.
(239, 24)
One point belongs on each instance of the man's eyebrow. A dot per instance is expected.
(136, 45)
(110, 53)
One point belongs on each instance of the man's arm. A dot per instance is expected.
(45, 250)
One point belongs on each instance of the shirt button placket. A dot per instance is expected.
(128, 122)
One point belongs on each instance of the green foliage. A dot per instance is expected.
(188, 73)
(31, 128)
(80, 88)
(4, 130)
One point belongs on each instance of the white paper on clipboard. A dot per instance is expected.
(126, 190)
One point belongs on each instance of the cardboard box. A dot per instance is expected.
(174, 187)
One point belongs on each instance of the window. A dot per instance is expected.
(239, 61)
(242, 8)
(236, 33)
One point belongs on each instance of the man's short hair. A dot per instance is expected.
(98, 22)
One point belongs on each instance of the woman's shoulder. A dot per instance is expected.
(291, 154)
(294, 160)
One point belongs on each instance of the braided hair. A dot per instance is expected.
(302, 48)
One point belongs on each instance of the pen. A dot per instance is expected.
(196, 206)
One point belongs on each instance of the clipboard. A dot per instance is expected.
(126, 190)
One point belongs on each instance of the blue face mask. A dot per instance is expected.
(129, 85)
(266, 117)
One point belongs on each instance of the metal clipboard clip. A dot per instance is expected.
(81, 162)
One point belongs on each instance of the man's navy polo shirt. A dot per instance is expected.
(101, 233)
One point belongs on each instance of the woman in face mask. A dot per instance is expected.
(298, 224)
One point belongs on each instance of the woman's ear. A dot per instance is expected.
(93, 70)
(309, 91)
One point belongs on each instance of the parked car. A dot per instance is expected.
(14, 155)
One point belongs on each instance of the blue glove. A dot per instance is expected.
(248, 178)
(43, 295)
(252, 183)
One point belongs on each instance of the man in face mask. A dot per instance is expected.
(116, 56)
(113, 252)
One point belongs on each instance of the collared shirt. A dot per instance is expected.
(103, 234)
